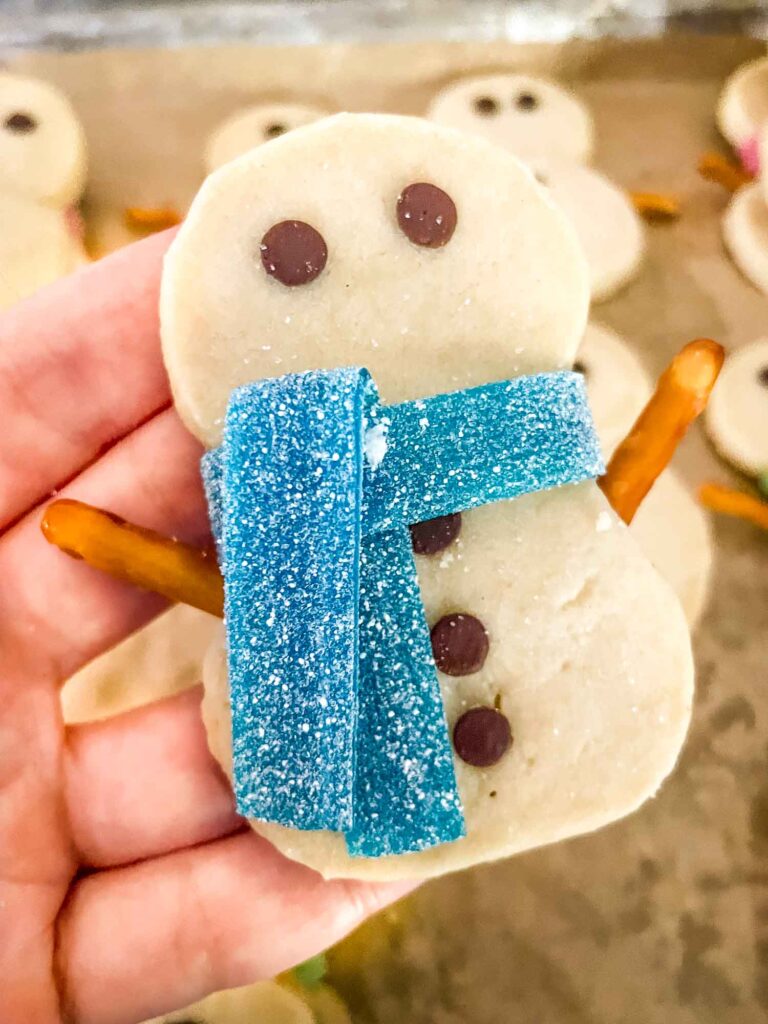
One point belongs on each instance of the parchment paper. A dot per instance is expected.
(663, 918)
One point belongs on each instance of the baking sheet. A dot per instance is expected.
(662, 917)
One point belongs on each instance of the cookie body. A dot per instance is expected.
(737, 414)
(253, 126)
(531, 117)
(745, 233)
(606, 223)
(585, 653)
(743, 104)
(36, 247)
(42, 145)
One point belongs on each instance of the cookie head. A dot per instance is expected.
(42, 145)
(529, 116)
(737, 414)
(253, 126)
(432, 259)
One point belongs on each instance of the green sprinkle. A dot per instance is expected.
(312, 971)
(762, 482)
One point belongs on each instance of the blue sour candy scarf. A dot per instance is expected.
(337, 715)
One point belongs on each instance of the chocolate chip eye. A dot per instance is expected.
(526, 101)
(762, 376)
(426, 215)
(580, 367)
(273, 130)
(459, 644)
(486, 106)
(293, 252)
(434, 535)
(482, 736)
(20, 123)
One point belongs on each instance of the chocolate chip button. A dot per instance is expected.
(580, 367)
(273, 130)
(482, 736)
(486, 106)
(762, 376)
(459, 644)
(526, 101)
(435, 535)
(293, 252)
(21, 124)
(426, 215)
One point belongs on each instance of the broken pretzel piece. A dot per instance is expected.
(656, 206)
(720, 170)
(681, 395)
(731, 502)
(149, 219)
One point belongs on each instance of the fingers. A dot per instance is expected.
(144, 783)
(138, 941)
(80, 367)
(57, 613)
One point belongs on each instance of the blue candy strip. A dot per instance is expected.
(290, 535)
(406, 797)
(303, 496)
(456, 451)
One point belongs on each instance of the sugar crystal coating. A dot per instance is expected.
(338, 719)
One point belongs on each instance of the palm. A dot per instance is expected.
(128, 885)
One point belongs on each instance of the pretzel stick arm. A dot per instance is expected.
(166, 566)
(186, 574)
(681, 395)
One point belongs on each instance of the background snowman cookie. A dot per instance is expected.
(606, 223)
(669, 526)
(254, 125)
(42, 175)
(552, 131)
(565, 665)
(737, 416)
(742, 108)
(529, 116)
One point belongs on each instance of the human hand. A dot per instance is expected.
(128, 884)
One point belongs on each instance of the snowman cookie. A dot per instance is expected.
(745, 233)
(608, 227)
(742, 108)
(42, 174)
(531, 117)
(265, 1002)
(669, 526)
(737, 416)
(433, 259)
(254, 125)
